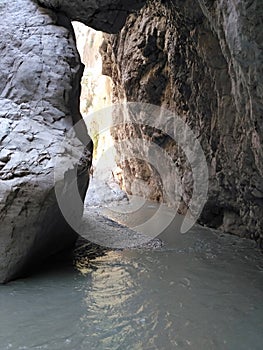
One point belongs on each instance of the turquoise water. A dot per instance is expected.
(199, 291)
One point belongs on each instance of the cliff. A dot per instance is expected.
(203, 61)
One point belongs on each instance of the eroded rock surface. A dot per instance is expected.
(204, 62)
(40, 73)
(107, 15)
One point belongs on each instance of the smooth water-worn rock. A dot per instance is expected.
(203, 62)
(40, 73)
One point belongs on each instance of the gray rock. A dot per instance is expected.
(107, 15)
(203, 62)
(40, 74)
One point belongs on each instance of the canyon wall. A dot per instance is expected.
(202, 60)
(39, 92)
(96, 89)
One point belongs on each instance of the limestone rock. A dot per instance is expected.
(107, 15)
(203, 62)
(40, 73)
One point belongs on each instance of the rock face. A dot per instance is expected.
(203, 62)
(96, 89)
(39, 91)
(107, 15)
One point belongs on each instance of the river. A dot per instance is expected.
(200, 290)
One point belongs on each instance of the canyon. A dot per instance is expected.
(204, 63)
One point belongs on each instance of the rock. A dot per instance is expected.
(40, 73)
(107, 15)
(205, 64)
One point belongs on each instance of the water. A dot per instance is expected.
(198, 291)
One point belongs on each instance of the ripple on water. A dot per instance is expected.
(197, 292)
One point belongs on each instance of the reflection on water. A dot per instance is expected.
(199, 291)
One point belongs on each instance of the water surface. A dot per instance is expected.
(198, 291)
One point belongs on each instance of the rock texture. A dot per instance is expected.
(107, 15)
(96, 89)
(202, 60)
(40, 73)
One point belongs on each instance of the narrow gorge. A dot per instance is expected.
(203, 63)
(131, 174)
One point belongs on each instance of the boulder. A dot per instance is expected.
(40, 72)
